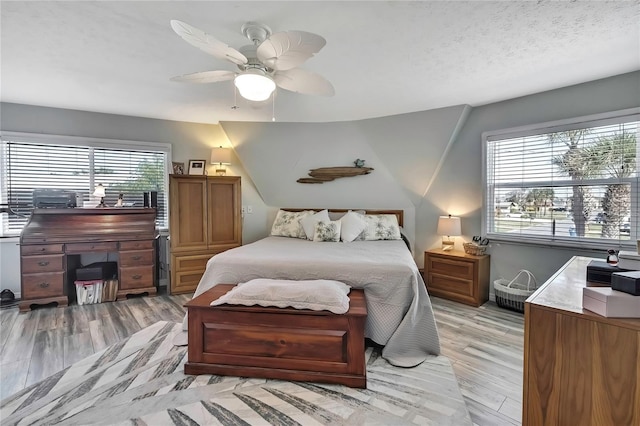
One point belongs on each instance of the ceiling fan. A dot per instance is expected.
(271, 61)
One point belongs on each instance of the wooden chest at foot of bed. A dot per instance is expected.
(277, 343)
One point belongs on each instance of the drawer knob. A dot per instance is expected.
(137, 277)
(43, 263)
(43, 249)
(44, 285)
(136, 257)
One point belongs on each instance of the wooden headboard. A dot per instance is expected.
(399, 213)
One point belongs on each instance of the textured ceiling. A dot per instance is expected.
(383, 58)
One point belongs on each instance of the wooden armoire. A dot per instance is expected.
(204, 219)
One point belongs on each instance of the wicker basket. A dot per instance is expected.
(512, 294)
(476, 250)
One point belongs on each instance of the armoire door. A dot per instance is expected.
(224, 212)
(188, 213)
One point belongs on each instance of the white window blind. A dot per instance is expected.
(573, 182)
(79, 164)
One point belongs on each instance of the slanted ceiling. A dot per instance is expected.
(405, 150)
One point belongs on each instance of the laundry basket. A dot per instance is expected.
(512, 294)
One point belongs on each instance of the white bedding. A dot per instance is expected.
(399, 310)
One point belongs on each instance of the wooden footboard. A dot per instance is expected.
(278, 343)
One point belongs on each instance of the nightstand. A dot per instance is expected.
(457, 276)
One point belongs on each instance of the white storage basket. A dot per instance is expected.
(512, 294)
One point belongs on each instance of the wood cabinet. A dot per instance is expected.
(458, 276)
(204, 219)
(579, 368)
(53, 240)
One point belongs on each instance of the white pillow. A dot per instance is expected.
(316, 295)
(381, 227)
(327, 231)
(287, 224)
(352, 225)
(309, 222)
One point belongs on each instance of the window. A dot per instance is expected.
(78, 164)
(574, 182)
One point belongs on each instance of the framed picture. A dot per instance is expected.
(196, 167)
(178, 168)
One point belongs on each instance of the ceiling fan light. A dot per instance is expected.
(255, 86)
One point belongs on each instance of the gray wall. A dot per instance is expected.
(458, 187)
(404, 151)
(428, 163)
(188, 141)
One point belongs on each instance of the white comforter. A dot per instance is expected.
(399, 310)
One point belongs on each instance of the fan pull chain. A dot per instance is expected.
(235, 98)
(273, 107)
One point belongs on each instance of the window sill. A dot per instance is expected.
(10, 239)
(582, 245)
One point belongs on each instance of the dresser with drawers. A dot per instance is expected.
(52, 242)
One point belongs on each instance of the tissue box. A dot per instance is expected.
(628, 282)
(610, 303)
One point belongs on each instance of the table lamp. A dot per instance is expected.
(100, 192)
(448, 227)
(221, 157)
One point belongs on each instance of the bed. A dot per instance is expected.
(400, 315)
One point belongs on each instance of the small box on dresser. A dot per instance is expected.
(628, 282)
(599, 271)
(610, 303)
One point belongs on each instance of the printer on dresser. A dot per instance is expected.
(53, 240)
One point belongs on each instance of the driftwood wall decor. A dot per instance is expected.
(327, 174)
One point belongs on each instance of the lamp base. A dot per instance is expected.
(221, 172)
(447, 245)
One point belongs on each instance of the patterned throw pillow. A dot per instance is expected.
(327, 231)
(287, 224)
(309, 222)
(381, 227)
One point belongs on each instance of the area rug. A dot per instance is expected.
(140, 381)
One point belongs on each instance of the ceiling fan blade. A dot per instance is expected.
(289, 49)
(207, 43)
(304, 82)
(205, 77)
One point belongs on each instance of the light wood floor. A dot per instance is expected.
(485, 346)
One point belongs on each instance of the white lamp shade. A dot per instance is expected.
(221, 155)
(449, 226)
(99, 191)
(254, 85)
